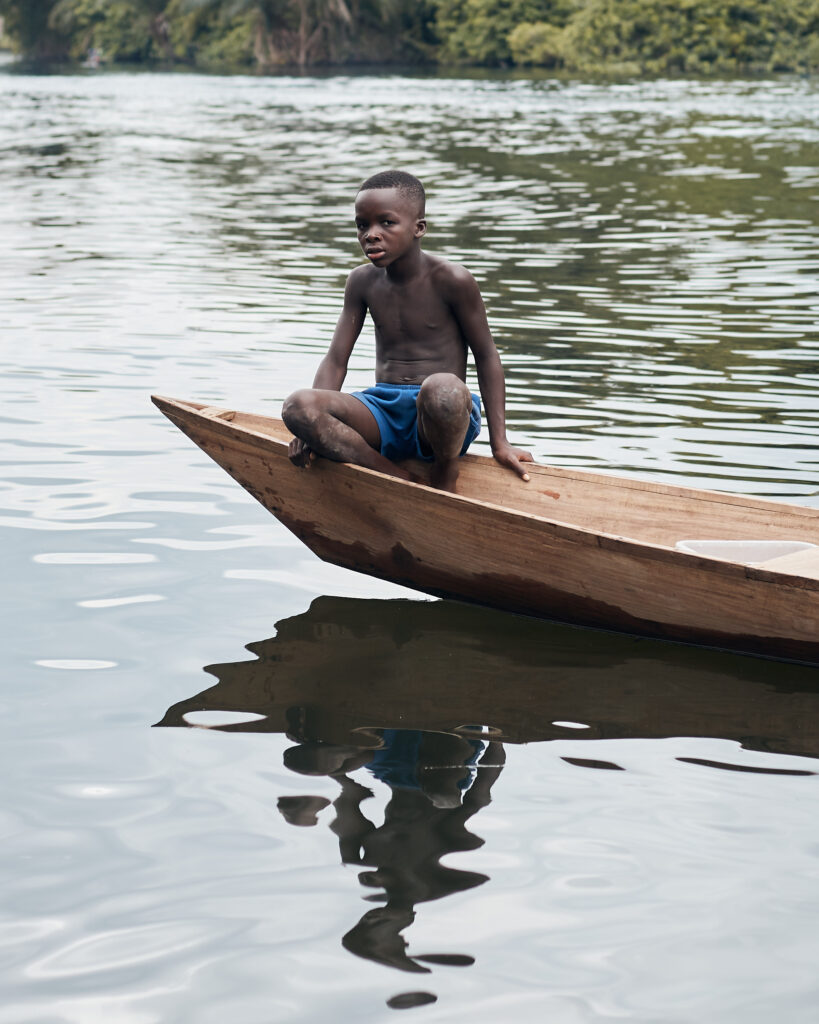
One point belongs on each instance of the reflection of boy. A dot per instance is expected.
(438, 781)
(427, 312)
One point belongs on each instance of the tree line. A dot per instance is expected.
(588, 36)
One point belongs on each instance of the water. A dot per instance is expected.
(388, 802)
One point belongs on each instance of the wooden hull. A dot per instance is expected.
(585, 548)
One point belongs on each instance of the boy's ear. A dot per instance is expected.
(420, 227)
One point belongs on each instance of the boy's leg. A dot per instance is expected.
(339, 427)
(444, 406)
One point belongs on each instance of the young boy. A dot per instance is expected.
(426, 313)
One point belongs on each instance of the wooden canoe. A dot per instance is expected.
(581, 547)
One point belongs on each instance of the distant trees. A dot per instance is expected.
(694, 36)
(124, 30)
(274, 32)
(621, 36)
(480, 31)
(26, 23)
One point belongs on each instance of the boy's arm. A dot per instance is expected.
(333, 368)
(467, 305)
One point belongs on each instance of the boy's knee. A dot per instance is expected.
(444, 396)
(298, 409)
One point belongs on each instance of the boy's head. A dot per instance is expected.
(389, 217)
(407, 185)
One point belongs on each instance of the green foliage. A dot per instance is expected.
(26, 24)
(385, 31)
(211, 35)
(477, 31)
(621, 36)
(538, 43)
(692, 36)
(122, 30)
(269, 33)
(286, 31)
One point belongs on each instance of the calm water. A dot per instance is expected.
(396, 803)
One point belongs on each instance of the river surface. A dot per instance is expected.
(357, 801)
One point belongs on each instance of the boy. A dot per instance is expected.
(426, 313)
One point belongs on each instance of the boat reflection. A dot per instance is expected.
(425, 694)
(347, 667)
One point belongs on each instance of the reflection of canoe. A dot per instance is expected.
(579, 547)
(348, 666)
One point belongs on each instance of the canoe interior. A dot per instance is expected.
(646, 511)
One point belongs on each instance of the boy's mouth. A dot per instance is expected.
(374, 254)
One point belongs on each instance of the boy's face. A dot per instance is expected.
(388, 224)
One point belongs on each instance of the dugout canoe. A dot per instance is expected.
(593, 549)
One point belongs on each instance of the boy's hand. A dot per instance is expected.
(513, 458)
(299, 453)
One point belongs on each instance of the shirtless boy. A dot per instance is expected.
(427, 312)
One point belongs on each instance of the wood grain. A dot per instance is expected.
(601, 553)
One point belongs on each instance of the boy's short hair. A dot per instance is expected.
(407, 184)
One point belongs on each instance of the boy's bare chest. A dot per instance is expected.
(409, 314)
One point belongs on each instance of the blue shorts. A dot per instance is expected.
(395, 412)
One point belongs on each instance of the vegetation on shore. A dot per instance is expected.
(620, 36)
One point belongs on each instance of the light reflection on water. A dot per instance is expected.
(648, 256)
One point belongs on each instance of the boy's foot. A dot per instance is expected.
(444, 475)
(336, 426)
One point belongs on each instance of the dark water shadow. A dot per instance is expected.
(349, 666)
(425, 694)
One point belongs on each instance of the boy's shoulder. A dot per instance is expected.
(450, 276)
(364, 272)
(360, 279)
(441, 267)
